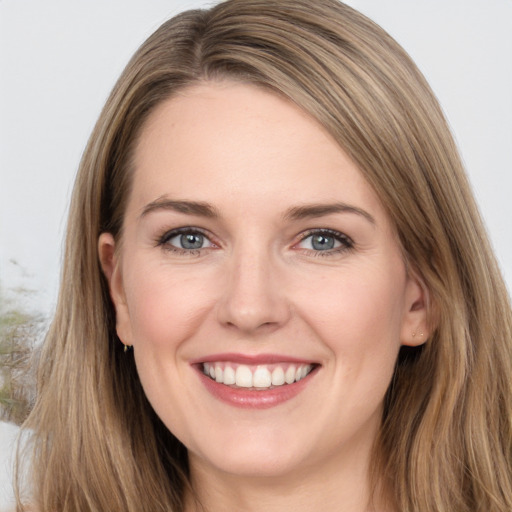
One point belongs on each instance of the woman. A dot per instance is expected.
(272, 213)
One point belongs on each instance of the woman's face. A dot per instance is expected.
(260, 283)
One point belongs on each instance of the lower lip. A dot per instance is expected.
(254, 398)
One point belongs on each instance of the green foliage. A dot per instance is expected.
(18, 333)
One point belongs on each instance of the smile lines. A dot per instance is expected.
(260, 377)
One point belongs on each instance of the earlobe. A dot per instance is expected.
(415, 325)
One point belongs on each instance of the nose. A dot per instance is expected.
(253, 300)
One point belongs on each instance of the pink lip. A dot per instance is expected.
(250, 359)
(253, 398)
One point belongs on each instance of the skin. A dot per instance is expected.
(259, 286)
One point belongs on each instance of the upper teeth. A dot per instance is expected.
(260, 376)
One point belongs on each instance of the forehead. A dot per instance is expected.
(219, 140)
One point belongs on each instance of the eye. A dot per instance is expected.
(325, 240)
(185, 240)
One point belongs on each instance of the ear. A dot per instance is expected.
(110, 264)
(415, 323)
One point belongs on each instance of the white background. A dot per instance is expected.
(60, 58)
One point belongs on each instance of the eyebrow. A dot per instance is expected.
(189, 207)
(319, 210)
(203, 209)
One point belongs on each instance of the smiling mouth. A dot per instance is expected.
(258, 377)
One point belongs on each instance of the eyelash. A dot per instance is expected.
(346, 243)
(163, 241)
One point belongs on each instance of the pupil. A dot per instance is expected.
(191, 241)
(322, 242)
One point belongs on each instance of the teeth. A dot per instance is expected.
(243, 377)
(260, 376)
(229, 375)
(290, 374)
(278, 376)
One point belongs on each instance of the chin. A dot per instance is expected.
(255, 460)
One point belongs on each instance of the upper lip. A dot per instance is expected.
(253, 359)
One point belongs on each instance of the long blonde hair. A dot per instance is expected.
(446, 437)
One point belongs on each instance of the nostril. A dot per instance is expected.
(251, 298)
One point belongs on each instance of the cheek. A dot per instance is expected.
(166, 307)
(166, 310)
(357, 314)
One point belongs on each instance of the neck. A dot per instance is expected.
(339, 486)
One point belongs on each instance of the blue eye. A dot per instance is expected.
(189, 241)
(325, 241)
(185, 240)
